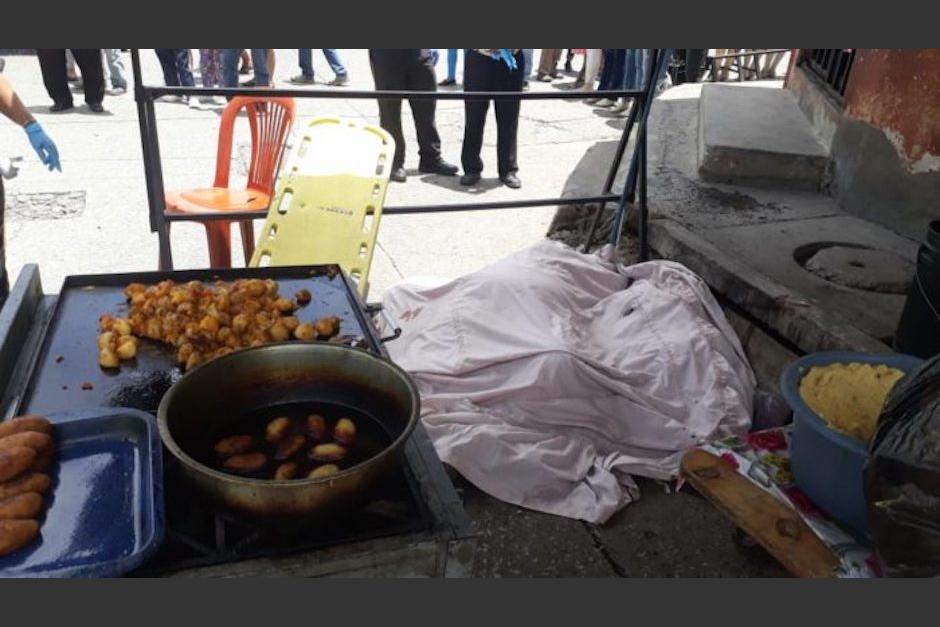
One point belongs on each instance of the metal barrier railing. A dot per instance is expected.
(633, 194)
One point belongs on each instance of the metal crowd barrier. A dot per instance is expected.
(633, 194)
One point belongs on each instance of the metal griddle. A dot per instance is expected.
(67, 361)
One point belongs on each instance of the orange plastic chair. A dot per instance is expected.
(270, 120)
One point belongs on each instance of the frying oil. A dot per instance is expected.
(371, 437)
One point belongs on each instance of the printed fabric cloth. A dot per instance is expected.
(550, 377)
(764, 458)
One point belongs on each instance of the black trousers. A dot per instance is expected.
(483, 73)
(407, 69)
(52, 64)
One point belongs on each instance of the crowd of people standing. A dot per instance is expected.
(484, 69)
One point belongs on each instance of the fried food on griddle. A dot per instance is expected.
(305, 332)
(303, 297)
(206, 321)
(327, 327)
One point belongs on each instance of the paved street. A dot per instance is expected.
(93, 216)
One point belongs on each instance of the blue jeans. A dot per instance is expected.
(635, 69)
(305, 60)
(259, 58)
(175, 64)
(612, 77)
(452, 64)
(527, 62)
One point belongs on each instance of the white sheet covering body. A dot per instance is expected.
(551, 376)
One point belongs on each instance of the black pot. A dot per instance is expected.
(223, 390)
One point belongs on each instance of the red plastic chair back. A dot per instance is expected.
(270, 120)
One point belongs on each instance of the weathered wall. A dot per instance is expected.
(885, 139)
(898, 91)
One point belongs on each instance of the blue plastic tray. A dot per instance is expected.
(104, 513)
(828, 465)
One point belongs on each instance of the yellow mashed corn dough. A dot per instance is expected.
(849, 397)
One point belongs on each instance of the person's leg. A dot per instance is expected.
(116, 68)
(89, 62)
(335, 63)
(52, 66)
(167, 57)
(592, 64)
(388, 74)
(70, 72)
(206, 70)
(259, 59)
(475, 77)
(247, 65)
(271, 64)
(548, 61)
(305, 61)
(606, 79)
(527, 62)
(183, 69)
(452, 64)
(507, 118)
(421, 77)
(228, 58)
(694, 60)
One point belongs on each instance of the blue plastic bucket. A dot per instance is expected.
(828, 465)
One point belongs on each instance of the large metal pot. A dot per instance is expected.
(217, 393)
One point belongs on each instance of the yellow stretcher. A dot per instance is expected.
(328, 200)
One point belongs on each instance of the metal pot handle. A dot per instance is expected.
(377, 308)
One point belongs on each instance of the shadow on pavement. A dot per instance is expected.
(79, 109)
(453, 183)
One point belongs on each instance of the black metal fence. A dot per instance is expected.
(633, 195)
(831, 65)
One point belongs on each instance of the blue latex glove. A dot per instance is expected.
(506, 56)
(43, 146)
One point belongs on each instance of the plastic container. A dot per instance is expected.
(918, 330)
(828, 465)
(104, 513)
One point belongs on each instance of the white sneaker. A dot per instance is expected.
(606, 102)
(168, 98)
(590, 100)
(623, 107)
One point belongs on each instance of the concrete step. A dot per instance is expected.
(757, 135)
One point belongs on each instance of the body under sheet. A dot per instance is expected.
(550, 377)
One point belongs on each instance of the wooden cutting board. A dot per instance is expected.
(772, 524)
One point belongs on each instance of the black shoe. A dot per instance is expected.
(441, 167)
(511, 180)
(525, 85)
(447, 82)
(468, 180)
(398, 175)
(96, 107)
(60, 106)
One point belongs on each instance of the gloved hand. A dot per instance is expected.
(506, 56)
(43, 146)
